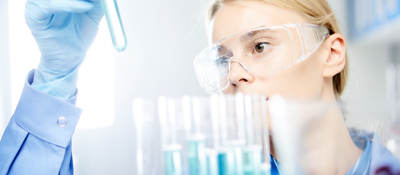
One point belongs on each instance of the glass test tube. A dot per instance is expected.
(193, 110)
(211, 161)
(256, 151)
(216, 157)
(223, 136)
(228, 136)
(253, 132)
(145, 118)
(171, 147)
(115, 25)
(172, 160)
(214, 136)
(261, 107)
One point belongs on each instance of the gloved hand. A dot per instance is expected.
(63, 30)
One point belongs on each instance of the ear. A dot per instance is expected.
(336, 59)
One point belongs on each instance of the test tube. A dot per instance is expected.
(261, 107)
(228, 136)
(115, 26)
(214, 136)
(172, 159)
(254, 160)
(148, 151)
(217, 155)
(196, 155)
(193, 110)
(171, 146)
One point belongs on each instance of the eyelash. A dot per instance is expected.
(253, 46)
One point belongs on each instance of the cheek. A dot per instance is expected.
(302, 81)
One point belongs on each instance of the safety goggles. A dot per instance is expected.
(262, 51)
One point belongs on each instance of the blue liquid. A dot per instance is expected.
(117, 31)
(225, 163)
(196, 157)
(251, 159)
(229, 162)
(172, 161)
(212, 164)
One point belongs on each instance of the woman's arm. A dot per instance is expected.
(38, 137)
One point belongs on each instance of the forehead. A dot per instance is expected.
(239, 16)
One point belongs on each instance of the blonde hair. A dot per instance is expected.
(315, 11)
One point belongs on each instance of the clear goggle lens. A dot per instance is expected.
(261, 51)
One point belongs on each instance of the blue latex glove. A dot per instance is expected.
(63, 30)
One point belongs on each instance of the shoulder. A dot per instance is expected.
(382, 160)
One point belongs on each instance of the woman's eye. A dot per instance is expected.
(259, 47)
(221, 61)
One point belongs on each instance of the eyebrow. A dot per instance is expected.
(252, 34)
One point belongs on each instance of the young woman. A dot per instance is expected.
(264, 47)
(294, 49)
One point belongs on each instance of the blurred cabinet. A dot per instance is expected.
(373, 21)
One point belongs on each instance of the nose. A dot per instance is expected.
(239, 75)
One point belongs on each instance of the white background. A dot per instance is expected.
(5, 105)
(163, 38)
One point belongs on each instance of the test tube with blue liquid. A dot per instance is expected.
(172, 148)
(173, 159)
(213, 153)
(211, 162)
(240, 136)
(194, 117)
(227, 140)
(256, 150)
(197, 155)
(114, 22)
(223, 136)
(250, 149)
(222, 158)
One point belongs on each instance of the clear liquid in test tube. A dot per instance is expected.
(115, 25)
